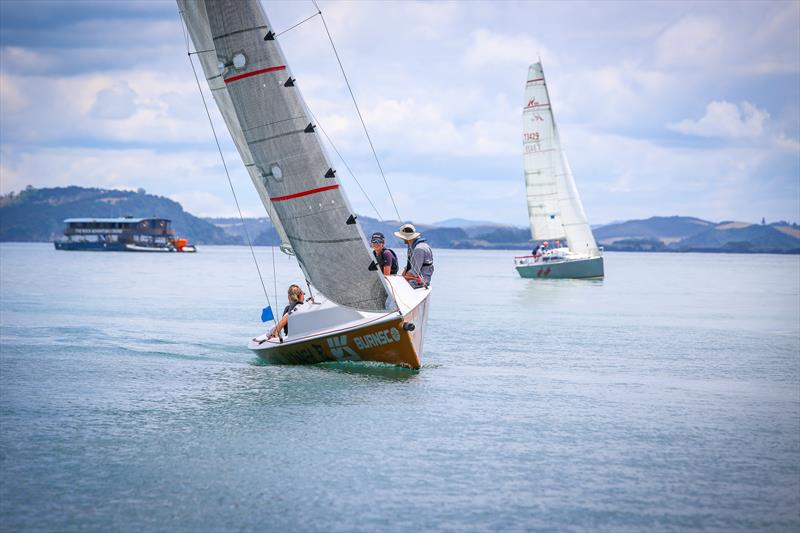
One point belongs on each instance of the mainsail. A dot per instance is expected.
(554, 207)
(271, 126)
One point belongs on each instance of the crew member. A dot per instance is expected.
(296, 298)
(385, 258)
(419, 267)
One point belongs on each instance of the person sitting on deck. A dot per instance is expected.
(296, 298)
(385, 258)
(419, 267)
(537, 251)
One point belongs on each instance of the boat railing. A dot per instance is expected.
(118, 231)
(527, 259)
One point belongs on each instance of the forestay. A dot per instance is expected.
(554, 207)
(271, 125)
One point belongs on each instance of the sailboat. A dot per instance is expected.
(356, 313)
(556, 213)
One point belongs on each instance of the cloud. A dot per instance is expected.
(620, 174)
(139, 106)
(502, 201)
(17, 58)
(196, 177)
(12, 97)
(785, 143)
(725, 120)
(489, 49)
(116, 102)
(428, 127)
(202, 203)
(692, 42)
(702, 44)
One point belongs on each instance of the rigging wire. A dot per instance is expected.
(314, 118)
(316, 121)
(358, 111)
(296, 25)
(225, 166)
(274, 273)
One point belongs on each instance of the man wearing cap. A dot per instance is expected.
(385, 258)
(419, 267)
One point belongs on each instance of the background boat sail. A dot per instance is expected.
(358, 314)
(554, 206)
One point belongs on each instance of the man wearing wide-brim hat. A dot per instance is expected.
(419, 267)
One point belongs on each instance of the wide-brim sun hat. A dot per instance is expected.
(407, 232)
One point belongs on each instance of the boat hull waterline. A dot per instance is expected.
(585, 268)
(386, 340)
(118, 247)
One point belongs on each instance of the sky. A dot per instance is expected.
(664, 108)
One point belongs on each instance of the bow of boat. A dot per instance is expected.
(324, 331)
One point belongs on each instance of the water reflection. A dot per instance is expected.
(375, 370)
(362, 368)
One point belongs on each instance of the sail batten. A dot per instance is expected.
(270, 124)
(554, 206)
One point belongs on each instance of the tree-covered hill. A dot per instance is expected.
(688, 234)
(38, 214)
(665, 229)
(742, 237)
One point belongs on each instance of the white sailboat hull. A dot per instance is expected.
(324, 331)
(560, 268)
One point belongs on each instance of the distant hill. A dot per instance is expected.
(665, 229)
(494, 236)
(656, 234)
(742, 237)
(38, 214)
(687, 234)
(463, 223)
(260, 230)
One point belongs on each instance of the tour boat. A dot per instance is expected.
(125, 234)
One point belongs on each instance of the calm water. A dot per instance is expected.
(666, 397)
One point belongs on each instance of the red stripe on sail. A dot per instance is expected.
(537, 79)
(255, 73)
(303, 193)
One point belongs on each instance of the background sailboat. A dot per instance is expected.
(357, 312)
(554, 206)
